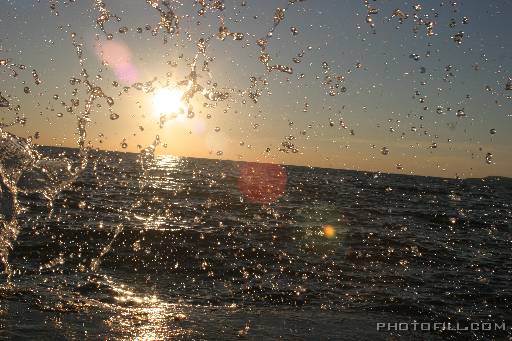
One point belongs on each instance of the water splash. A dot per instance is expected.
(28, 170)
(95, 263)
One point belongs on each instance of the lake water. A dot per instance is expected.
(201, 249)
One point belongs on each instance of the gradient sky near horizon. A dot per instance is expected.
(403, 87)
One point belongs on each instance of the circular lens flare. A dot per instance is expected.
(329, 231)
(262, 183)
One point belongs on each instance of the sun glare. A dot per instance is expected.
(168, 101)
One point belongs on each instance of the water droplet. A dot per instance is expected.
(457, 38)
(372, 10)
(262, 43)
(217, 129)
(237, 36)
(492, 131)
(264, 58)
(384, 151)
(279, 15)
(114, 116)
(400, 14)
(4, 103)
(26, 90)
(460, 113)
(488, 158)
(136, 246)
(35, 75)
(508, 86)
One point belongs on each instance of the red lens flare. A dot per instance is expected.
(262, 183)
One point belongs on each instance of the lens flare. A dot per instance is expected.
(329, 231)
(262, 183)
(118, 56)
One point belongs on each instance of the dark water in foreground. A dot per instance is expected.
(195, 258)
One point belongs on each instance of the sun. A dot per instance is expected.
(168, 101)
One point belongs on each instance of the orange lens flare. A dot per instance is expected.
(329, 231)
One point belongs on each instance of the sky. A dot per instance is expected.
(381, 96)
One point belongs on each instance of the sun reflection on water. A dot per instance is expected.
(160, 182)
(146, 317)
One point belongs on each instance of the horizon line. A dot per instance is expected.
(284, 164)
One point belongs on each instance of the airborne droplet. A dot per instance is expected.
(279, 15)
(458, 37)
(372, 10)
(488, 158)
(508, 86)
(4, 103)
